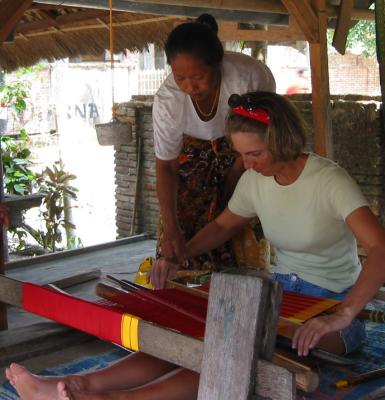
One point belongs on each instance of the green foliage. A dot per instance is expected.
(13, 95)
(361, 37)
(55, 184)
(20, 72)
(18, 177)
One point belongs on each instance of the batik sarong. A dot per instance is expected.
(203, 166)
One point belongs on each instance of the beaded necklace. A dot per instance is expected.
(211, 112)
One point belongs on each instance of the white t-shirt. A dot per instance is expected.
(305, 221)
(174, 113)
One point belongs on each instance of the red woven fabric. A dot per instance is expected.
(295, 305)
(160, 314)
(103, 318)
(95, 319)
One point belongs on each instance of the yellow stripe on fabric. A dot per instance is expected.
(313, 310)
(134, 334)
(129, 332)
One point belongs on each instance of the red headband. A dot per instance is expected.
(257, 113)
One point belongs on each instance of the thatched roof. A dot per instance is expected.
(55, 29)
(55, 32)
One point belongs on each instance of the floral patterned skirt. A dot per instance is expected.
(203, 166)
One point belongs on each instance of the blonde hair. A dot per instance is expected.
(285, 135)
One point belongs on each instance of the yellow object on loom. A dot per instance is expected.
(141, 276)
(250, 252)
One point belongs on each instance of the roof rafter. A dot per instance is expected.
(305, 16)
(61, 20)
(272, 34)
(343, 25)
(10, 13)
(238, 11)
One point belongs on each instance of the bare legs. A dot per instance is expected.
(138, 376)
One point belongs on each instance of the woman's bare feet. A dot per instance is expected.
(9, 376)
(33, 387)
(63, 393)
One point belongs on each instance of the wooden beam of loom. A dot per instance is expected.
(305, 17)
(169, 345)
(10, 13)
(343, 25)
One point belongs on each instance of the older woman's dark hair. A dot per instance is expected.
(197, 38)
(285, 136)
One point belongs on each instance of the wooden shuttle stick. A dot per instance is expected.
(104, 290)
(367, 376)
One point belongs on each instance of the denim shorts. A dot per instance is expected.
(353, 335)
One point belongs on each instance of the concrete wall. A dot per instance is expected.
(358, 143)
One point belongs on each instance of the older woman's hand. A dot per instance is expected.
(173, 244)
(162, 271)
(308, 335)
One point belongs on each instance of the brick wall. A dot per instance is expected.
(126, 179)
(351, 73)
(358, 143)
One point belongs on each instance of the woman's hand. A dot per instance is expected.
(309, 334)
(162, 271)
(173, 246)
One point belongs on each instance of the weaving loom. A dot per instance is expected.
(144, 321)
(117, 320)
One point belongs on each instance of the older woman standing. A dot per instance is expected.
(196, 169)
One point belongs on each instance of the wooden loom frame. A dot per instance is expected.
(245, 323)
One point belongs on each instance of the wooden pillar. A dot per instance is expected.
(3, 248)
(3, 307)
(3, 239)
(323, 142)
(380, 39)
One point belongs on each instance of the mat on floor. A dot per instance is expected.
(371, 356)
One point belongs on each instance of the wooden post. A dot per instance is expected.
(3, 251)
(3, 240)
(237, 313)
(323, 144)
(380, 39)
